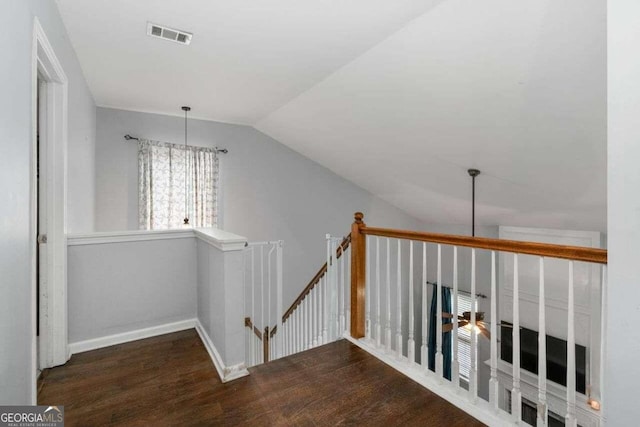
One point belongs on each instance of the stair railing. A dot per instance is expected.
(318, 315)
(263, 301)
(390, 318)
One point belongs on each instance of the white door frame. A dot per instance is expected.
(52, 349)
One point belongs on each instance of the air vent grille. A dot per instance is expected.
(166, 33)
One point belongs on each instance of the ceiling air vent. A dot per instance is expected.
(166, 33)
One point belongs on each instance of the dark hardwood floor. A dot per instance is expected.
(170, 381)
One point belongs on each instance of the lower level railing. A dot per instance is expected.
(509, 331)
(318, 316)
(417, 304)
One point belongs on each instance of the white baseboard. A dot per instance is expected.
(477, 408)
(96, 343)
(226, 373)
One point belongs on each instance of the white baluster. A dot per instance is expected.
(516, 395)
(331, 290)
(399, 302)
(305, 330)
(334, 290)
(303, 324)
(570, 419)
(348, 290)
(309, 324)
(341, 292)
(411, 344)
(424, 350)
(279, 285)
(378, 328)
(321, 311)
(367, 293)
(455, 363)
(310, 320)
(325, 311)
(298, 328)
(269, 254)
(314, 316)
(542, 351)
(253, 303)
(262, 289)
(494, 385)
(439, 356)
(292, 333)
(473, 371)
(387, 332)
(325, 298)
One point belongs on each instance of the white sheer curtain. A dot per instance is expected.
(174, 182)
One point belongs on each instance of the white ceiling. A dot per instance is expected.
(516, 89)
(246, 59)
(400, 97)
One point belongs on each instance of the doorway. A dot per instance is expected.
(48, 207)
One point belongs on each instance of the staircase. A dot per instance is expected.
(374, 290)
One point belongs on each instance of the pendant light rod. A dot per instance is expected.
(186, 109)
(473, 173)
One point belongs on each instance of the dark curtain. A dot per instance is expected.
(446, 336)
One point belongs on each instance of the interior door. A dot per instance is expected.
(41, 201)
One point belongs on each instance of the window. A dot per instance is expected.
(175, 182)
(464, 338)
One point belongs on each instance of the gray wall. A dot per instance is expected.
(121, 287)
(220, 296)
(269, 192)
(623, 336)
(16, 319)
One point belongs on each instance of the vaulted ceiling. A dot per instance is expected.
(400, 97)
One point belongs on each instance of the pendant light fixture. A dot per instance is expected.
(473, 173)
(186, 175)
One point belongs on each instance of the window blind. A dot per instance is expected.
(464, 339)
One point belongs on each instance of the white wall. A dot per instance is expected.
(122, 287)
(16, 315)
(269, 192)
(623, 347)
(16, 321)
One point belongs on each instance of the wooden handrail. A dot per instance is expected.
(265, 345)
(575, 253)
(249, 324)
(316, 279)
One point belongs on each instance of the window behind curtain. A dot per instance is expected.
(174, 181)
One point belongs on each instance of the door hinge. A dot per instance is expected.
(42, 238)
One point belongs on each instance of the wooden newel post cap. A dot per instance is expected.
(358, 216)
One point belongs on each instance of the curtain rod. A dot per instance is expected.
(216, 149)
(459, 290)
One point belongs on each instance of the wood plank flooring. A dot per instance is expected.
(170, 381)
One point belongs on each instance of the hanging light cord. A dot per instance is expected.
(473, 173)
(186, 175)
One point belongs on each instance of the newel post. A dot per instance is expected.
(358, 276)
